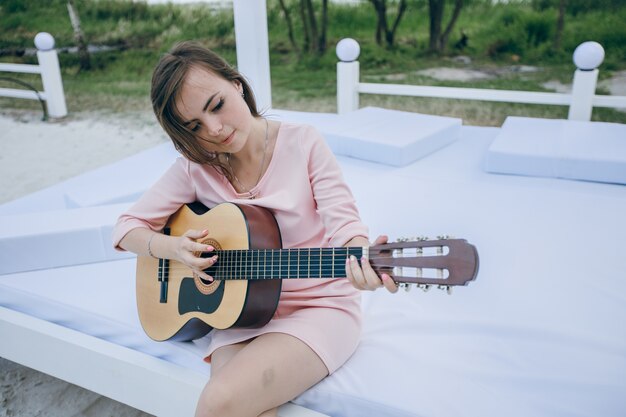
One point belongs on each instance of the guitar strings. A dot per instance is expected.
(326, 267)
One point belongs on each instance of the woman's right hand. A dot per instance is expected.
(186, 248)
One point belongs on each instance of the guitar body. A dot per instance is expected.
(174, 304)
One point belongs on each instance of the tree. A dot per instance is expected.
(438, 40)
(83, 53)
(382, 26)
(285, 10)
(560, 24)
(314, 41)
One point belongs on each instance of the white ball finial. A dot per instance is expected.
(44, 41)
(348, 50)
(588, 56)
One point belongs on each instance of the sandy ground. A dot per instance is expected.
(37, 154)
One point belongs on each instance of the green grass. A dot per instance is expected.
(500, 36)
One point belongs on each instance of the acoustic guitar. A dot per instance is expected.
(176, 304)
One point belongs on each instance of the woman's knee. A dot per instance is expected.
(218, 400)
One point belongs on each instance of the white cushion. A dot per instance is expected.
(53, 239)
(388, 137)
(592, 151)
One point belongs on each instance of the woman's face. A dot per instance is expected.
(213, 108)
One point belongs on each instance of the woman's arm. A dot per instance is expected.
(137, 230)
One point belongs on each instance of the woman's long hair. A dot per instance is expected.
(167, 81)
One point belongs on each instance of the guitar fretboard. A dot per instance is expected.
(252, 264)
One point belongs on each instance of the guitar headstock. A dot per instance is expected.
(443, 262)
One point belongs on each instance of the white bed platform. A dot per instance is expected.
(541, 332)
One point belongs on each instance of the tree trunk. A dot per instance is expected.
(83, 53)
(382, 27)
(436, 15)
(305, 26)
(292, 39)
(381, 19)
(443, 41)
(312, 23)
(560, 24)
(322, 40)
(392, 34)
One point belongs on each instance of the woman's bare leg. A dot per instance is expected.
(253, 379)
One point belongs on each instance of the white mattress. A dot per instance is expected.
(541, 332)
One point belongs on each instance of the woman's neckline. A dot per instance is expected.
(254, 192)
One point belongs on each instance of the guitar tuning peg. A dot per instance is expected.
(402, 239)
(423, 287)
(447, 288)
(407, 288)
(421, 238)
(443, 237)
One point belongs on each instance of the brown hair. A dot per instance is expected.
(167, 80)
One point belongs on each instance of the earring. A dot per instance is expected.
(243, 95)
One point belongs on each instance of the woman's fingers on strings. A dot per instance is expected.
(349, 274)
(199, 265)
(202, 247)
(372, 281)
(353, 270)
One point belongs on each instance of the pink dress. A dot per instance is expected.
(304, 188)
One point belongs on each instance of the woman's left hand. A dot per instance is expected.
(363, 276)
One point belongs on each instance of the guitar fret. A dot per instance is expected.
(240, 263)
(248, 264)
(320, 252)
(299, 264)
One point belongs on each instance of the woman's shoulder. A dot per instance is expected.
(298, 128)
(192, 170)
(302, 134)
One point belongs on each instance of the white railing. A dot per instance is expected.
(587, 57)
(50, 72)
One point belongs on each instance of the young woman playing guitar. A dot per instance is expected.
(230, 153)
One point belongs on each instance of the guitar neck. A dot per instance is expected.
(252, 264)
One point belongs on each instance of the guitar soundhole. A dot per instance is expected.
(204, 286)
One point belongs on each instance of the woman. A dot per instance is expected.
(230, 153)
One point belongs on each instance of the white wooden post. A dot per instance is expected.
(253, 56)
(50, 75)
(348, 51)
(588, 56)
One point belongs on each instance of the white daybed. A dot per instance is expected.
(541, 332)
